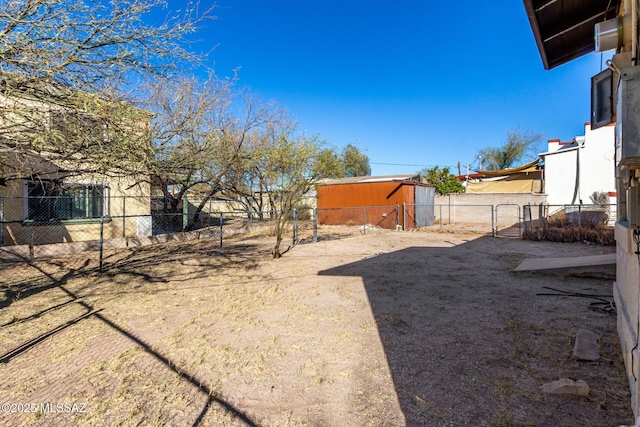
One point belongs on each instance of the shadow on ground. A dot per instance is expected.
(469, 343)
(30, 277)
(56, 273)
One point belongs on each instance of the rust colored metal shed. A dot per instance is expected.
(379, 201)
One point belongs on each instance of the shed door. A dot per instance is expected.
(424, 198)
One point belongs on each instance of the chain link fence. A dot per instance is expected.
(45, 227)
(35, 227)
(570, 223)
(507, 220)
(478, 219)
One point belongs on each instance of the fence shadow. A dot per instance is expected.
(512, 231)
(23, 279)
(212, 397)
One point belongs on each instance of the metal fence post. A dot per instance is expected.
(494, 215)
(397, 216)
(315, 225)
(185, 212)
(295, 226)
(220, 233)
(124, 216)
(404, 215)
(101, 241)
(364, 222)
(1, 221)
(440, 219)
(580, 222)
(415, 220)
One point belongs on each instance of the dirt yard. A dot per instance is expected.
(392, 329)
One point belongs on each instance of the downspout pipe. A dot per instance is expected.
(634, 32)
(576, 188)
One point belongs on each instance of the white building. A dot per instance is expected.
(574, 170)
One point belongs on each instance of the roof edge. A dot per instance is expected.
(533, 21)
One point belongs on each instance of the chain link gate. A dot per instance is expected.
(507, 221)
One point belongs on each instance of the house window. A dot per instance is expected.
(55, 200)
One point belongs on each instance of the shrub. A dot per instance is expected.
(554, 232)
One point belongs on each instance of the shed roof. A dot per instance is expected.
(363, 179)
(563, 29)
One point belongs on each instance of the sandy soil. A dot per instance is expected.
(391, 329)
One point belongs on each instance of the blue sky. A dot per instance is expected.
(409, 82)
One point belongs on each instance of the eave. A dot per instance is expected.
(564, 29)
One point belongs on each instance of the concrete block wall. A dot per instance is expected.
(626, 294)
(478, 207)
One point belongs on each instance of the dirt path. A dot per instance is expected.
(383, 330)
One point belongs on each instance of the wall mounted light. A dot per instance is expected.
(608, 34)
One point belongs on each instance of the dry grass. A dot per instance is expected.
(400, 331)
(588, 225)
(598, 234)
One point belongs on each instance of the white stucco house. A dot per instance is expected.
(574, 170)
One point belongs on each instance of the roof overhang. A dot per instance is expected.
(365, 179)
(564, 150)
(564, 29)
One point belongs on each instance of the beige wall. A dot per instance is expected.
(125, 197)
(478, 208)
(13, 204)
(626, 293)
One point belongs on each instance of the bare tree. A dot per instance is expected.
(292, 171)
(520, 145)
(208, 140)
(66, 68)
(93, 45)
(200, 135)
(187, 132)
(51, 129)
(251, 181)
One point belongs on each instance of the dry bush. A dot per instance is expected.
(599, 234)
(558, 219)
(589, 224)
(589, 216)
